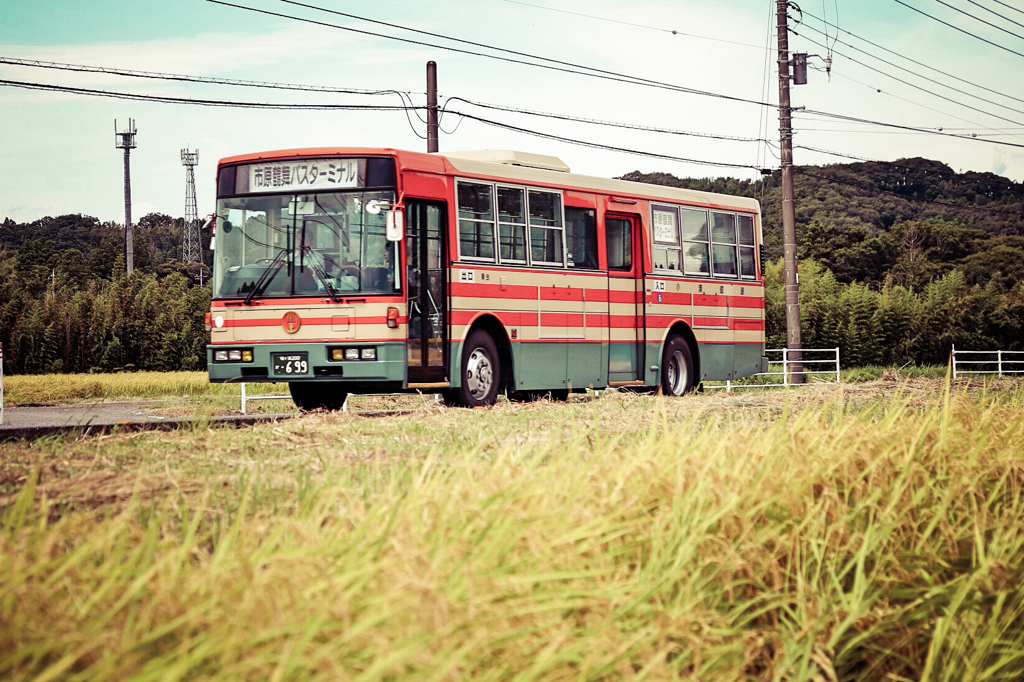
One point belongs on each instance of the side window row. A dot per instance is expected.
(700, 242)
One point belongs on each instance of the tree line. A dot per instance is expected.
(67, 305)
(886, 274)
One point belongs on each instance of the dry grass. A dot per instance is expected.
(851, 533)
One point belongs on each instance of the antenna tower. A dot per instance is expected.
(126, 140)
(192, 249)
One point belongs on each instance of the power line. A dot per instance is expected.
(949, 204)
(968, 14)
(914, 73)
(960, 29)
(855, 119)
(589, 71)
(189, 79)
(203, 102)
(611, 124)
(629, 23)
(605, 147)
(1000, 2)
(992, 11)
(825, 151)
(918, 87)
(356, 107)
(914, 61)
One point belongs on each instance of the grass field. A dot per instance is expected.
(860, 532)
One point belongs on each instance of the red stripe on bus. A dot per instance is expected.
(746, 302)
(494, 291)
(307, 321)
(549, 293)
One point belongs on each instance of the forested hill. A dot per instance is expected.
(911, 219)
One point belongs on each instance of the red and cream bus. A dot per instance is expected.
(350, 270)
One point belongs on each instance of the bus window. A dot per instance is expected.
(511, 225)
(746, 240)
(545, 227)
(695, 242)
(476, 221)
(666, 238)
(581, 237)
(723, 244)
(620, 244)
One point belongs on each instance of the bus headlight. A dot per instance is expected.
(369, 353)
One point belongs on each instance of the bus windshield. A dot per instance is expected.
(316, 244)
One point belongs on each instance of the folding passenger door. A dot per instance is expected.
(426, 260)
(626, 324)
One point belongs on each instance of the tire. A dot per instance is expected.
(481, 373)
(317, 396)
(677, 368)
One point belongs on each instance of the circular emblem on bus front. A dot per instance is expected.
(291, 322)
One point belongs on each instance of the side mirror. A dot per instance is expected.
(395, 225)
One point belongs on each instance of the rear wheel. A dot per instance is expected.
(481, 372)
(317, 396)
(677, 368)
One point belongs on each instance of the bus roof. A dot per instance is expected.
(508, 165)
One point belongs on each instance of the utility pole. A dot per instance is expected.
(431, 106)
(192, 248)
(126, 141)
(790, 277)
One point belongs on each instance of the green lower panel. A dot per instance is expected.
(540, 365)
(749, 359)
(388, 367)
(716, 361)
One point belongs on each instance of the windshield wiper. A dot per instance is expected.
(262, 282)
(320, 273)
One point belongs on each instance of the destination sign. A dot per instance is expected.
(301, 175)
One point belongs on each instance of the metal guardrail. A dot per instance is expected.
(998, 362)
(830, 369)
(246, 398)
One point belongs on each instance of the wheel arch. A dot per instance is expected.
(493, 326)
(680, 328)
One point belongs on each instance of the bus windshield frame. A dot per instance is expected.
(287, 245)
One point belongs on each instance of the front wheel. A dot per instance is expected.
(317, 396)
(677, 368)
(481, 372)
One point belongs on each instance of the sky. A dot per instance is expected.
(59, 154)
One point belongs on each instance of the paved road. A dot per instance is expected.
(37, 421)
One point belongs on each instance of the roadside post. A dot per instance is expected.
(1, 384)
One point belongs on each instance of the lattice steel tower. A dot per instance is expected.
(192, 248)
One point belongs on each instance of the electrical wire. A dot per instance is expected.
(925, 90)
(992, 11)
(914, 61)
(960, 29)
(605, 147)
(825, 151)
(14, 61)
(914, 73)
(629, 23)
(968, 14)
(201, 102)
(611, 124)
(1000, 2)
(590, 71)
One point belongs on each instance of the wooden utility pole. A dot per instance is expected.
(790, 277)
(431, 106)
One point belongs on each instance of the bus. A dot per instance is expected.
(475, 274)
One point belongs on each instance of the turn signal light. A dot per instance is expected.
(392, 318)
(208, 322)
(337, 354)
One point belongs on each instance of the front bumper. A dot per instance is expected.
(389, 367)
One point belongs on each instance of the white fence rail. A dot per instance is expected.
(998, 362)
(247, 398)
(818, 365)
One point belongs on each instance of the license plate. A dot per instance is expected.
(291, 363)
